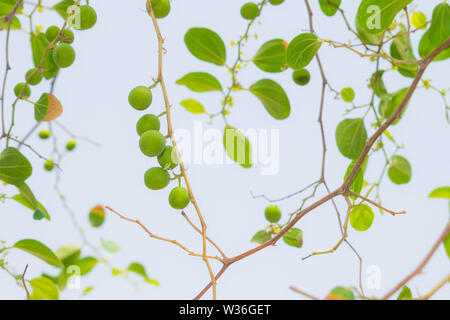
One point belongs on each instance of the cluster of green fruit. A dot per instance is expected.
(250, 10)
(49, 165)
(153, 144)
(62, 54)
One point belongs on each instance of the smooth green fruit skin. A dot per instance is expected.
(64, 55)
(152, 143)
(348, 94)
(140, 98)
(161, 8)
(44, 134)
(71, 144)
(179, 198)
(18, 89)
(147, 122)
(249, 11)
(87, 18)
(156, 178)
(301, 77)
(272, 213)
(68, 36)
(51, 33)
(35, 79)
(49, 165)
(276, 2)
(168, 158)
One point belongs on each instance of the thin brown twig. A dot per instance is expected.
(303, 293)
(436, 288)
(376, 204)
(23, 282)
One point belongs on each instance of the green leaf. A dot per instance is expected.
(86, 264)
(302, 49)
(261, 237)
(14, 167)
(6, 7)
(200, 82)
(329, 7)
(110, 246)
(351, 136)
(368, 38)
(446, 243)
(39, 250)
(193, 106)
(294, 237)
(206, 45)
(139, 269)
(398, 46)
(391, 102)
(341, 293)
(442, 192)
(400, 170)
(405, 294)
(62, 6)
(377, 84)
(68, 255)
(38, 43)
(273, 97)
(43, 289)
(375, 16)
(361, 217)
(426, 48)
(271, 57)
(237, 146)
(357, 183)
(440, 24)
(23, 200)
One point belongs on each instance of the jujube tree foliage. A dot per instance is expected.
(382, 34)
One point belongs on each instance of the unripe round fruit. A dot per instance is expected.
(71, 144)
(63, 55)
(68, 36)
(179, 198)
(168, 158)
(51, 33)
(348, 94)
(49, 165)
(161, 8)
(272, 213)
(140, 98)
(156, 178)
(35, 79)
(152, 143)
(249, 11)
(301, 77)
(44, 134)
(276, 2)
(419, 20)
(86, 19)
(18, 89)
(97, 216)
(147, 122)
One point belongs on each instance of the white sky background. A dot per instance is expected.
(121, 53)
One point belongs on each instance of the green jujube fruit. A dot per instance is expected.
(161, 8)
(147, 122)
(25, 93)
(168, 158)
(179, 198)
(63, 55)
(156, 178)
(152, 143)
(140, 98)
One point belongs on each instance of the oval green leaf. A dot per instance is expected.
(14, 167)
(361, 217)
(329, 7)
(38, 43)
(302, 49)
(405, 294)
(375, 16)
(237, 147)
(273, 97)
(400, 170)
(39, 250)
(398, 46)
(43, 289)
(193, 106)
(200, 82)
(294, 237)
(442, 192)
(351, 136)
(271, 57)
(261, 237)
(206, 45)
(341, 293)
